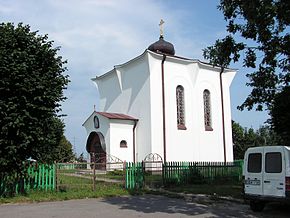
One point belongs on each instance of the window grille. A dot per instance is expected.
(207, 110)
(180, 107)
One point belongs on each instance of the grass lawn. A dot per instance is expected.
(102, 190)
(116, 174)
(74, 187)
(210, 189)
(70, 187)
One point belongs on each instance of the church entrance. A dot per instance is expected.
(97, 148)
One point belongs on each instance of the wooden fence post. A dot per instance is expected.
(94, 179)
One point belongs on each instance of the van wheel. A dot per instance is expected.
(257, 206)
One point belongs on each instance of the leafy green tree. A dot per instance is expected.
(238, 140)
(57, 147)
(31, 88)
(280, 114)
(64, 151)
(259, 35)
(243, 138)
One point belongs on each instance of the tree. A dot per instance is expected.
(280, 116)
(244, 138)
(31, 88)
(64, 151)
(263, 27)
(238, 141)
(57, 147)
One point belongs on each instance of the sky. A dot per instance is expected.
(95, 35)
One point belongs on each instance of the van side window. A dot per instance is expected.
(255, 163)
(273, 163)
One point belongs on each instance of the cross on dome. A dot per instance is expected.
(162, 46)
(161, 27)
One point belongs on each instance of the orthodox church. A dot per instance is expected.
(160, 103)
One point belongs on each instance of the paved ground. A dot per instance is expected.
(136, 206)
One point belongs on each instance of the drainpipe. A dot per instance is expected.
(223, 114)
(163, 108)
(134, 143)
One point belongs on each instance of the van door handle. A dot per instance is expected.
(266, 181)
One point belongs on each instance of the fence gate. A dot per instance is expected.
(152, 166)
(106, 162)
(134, 176)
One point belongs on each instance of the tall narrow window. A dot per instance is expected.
(207, 110)
(180, 107)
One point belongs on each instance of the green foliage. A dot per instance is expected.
(31, 88)
(244, 138)
(63, 152)
(263, 27)
(280, 115)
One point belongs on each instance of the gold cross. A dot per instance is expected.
(161, 27)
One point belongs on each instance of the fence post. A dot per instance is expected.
(126, 174)
(46, 177)
(94, 179)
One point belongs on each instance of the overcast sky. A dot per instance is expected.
(95, 35)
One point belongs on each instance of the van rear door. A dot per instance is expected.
(253, 171)
(274, 176)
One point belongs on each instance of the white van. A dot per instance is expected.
(266, 174)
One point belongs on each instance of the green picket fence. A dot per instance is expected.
(186, 173)
(134, 176)
(36, 176)
(201, 172)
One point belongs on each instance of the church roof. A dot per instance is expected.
(147, 51)
(116, 116)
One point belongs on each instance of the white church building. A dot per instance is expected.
(160, 103)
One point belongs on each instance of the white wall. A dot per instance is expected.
(211, 142)
(135, 90)
(121, 130)
(227, 80)
(103, 128)
(126, 90)
(194, 143)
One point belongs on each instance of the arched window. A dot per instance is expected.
(207, 110)
(180, 107)
(123, 144)
(96, 122)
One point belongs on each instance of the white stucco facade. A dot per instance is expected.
(114, 131)
(135, 89)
